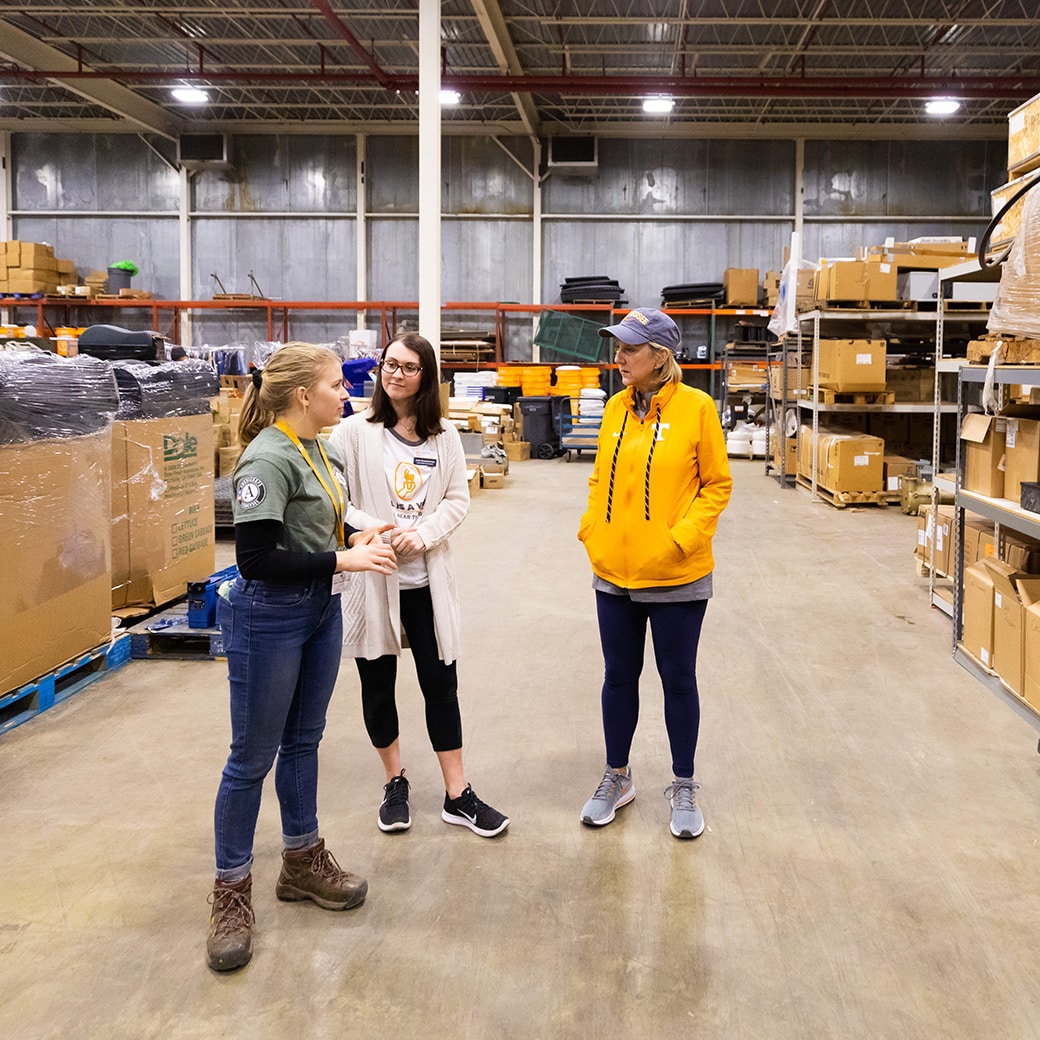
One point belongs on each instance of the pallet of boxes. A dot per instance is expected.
(32, 269)
(844, 465)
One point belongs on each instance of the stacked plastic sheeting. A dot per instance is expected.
(590, 406)
(1016, 309)
(150, 391)
(44, 395)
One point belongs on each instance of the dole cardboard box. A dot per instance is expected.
(852, 365)
(984, 441)
(56, 530)
(162, 508)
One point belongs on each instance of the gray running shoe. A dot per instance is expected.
(615, 790)
(687, 819)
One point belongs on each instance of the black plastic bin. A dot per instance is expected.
(541, 417)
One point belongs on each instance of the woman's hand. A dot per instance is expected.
(406, 541)
(368, 552)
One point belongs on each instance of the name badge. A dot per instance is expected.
(419, 461)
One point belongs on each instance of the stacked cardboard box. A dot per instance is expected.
(852, 365)
(740, 286)
(225, 410)
(55, 525)
(845, 460)
(30, 268)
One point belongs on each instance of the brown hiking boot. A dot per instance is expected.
(230, 942)
(314, 874)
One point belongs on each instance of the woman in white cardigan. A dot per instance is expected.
(405, 463)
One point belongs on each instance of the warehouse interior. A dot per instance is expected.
(503, 175)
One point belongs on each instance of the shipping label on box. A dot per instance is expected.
(162, 508)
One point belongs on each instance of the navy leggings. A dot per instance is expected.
(437, 680)
(676, 631)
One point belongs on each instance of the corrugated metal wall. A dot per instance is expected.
(656, 213)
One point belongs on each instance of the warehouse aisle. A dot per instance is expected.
(869, 869)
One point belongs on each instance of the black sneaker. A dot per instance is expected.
(393, 813)
(469, 811)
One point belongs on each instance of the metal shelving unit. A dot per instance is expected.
(878, 323)
(945, 485)
(1003, 512)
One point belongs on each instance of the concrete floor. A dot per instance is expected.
(869, 869)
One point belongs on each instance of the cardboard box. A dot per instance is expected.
(897, 466)
(846, 461)
(491, 479)
(1024, 137)
(980, 579)
(162, 508)
(789, 461)
(911, 384)
(1021, 455)
(1011, 597)
(56, 530)
(984, 437)
(1031, 655)
(852, 365)
(517, 451)
(1009, 224)
(740, 285)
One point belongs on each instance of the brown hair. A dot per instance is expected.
(427, 400)
(269, 393)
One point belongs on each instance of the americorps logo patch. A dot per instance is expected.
(251, 492)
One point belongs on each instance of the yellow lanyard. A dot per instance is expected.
(337, 499)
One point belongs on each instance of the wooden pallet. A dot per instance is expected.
(867, 305)
(860, 397)
(842, 499)
(1017, 350)
(56, 686)
(167, 634)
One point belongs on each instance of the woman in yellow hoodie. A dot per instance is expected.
(660, 481)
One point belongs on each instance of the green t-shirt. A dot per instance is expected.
(273, 482)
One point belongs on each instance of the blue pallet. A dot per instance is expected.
(29, 700)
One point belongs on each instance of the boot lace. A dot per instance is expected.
(232, 912)
(681, 793)
(325, 866)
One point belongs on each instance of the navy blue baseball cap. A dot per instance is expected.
(645, 325)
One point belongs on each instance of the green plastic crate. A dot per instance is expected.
(569, 335)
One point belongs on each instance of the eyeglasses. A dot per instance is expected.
(409, 368)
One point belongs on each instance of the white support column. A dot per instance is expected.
(536, 240)
(361, 228)
(430, 172)
(799, 187)
(184, 232)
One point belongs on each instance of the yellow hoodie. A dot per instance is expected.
(656, 490)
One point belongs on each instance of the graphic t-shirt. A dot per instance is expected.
(273, 482)
(408, 467)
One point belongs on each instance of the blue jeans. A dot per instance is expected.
(676, 631)
(283, 645)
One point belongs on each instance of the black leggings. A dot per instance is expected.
(437, 680)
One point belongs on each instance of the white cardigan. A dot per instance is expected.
(371, 603)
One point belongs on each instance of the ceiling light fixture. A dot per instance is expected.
(658, 105)
(190, 95)
(450, 97)
(941, 106)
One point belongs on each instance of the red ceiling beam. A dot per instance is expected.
(982, 88)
